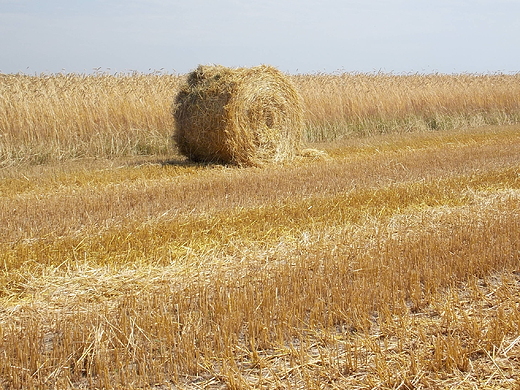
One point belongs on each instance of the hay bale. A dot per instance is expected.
(243, 116)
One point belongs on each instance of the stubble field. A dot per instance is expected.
(390, 262)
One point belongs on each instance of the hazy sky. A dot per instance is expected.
(297, 36)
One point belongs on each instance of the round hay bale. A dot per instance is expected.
(243, 116)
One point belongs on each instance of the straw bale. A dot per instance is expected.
(243, 116)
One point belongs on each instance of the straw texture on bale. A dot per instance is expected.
(243, 116)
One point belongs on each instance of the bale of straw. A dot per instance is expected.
(242, 116)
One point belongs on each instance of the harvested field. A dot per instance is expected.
(392, 263)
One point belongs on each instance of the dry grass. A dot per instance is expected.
(393, 263)
(351, 104)
(64, 116)
(242, 116)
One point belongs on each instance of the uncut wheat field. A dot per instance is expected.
(389, 260)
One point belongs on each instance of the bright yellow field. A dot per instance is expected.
(392, 262)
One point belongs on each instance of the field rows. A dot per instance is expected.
(391, 262)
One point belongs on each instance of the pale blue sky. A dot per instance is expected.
(297, 36)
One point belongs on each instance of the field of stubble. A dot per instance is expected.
(391, 262)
